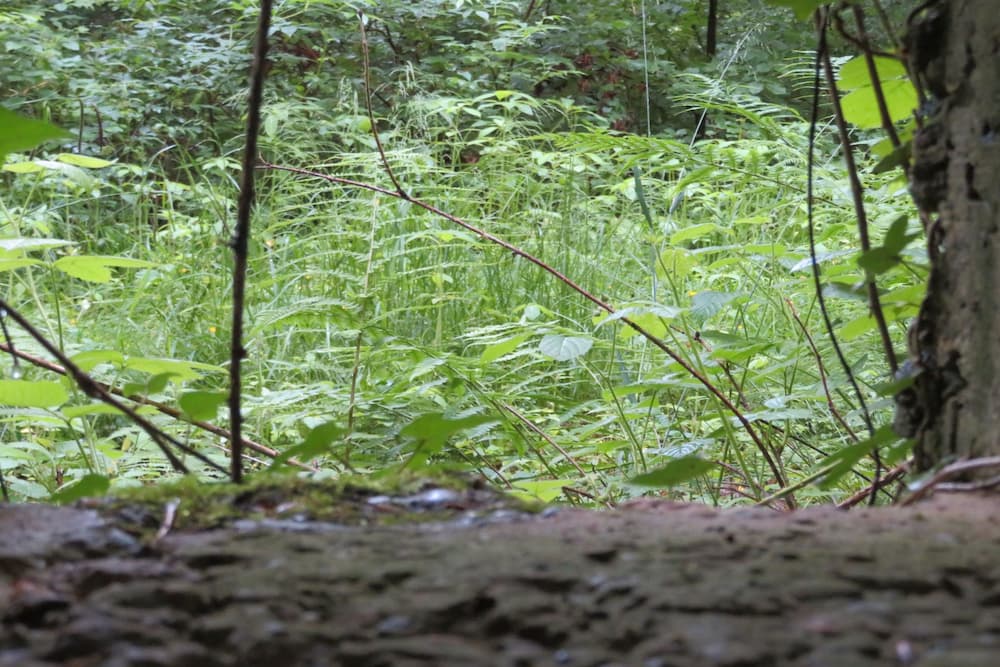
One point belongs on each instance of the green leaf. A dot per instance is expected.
(803, 8)
(90, 359)
(97, 408)
(22, 134)
(565, 348)
(861, 109)
(854, 73)
(202, 405)
(545, 490)
(432, 431)
(898, 157)
(504, 347)
(675, 264)
(694, 232)
(183, 370)
(84, 161)
(317, 442)
(676, 472)
(94, 268)
(32, 394)
(12, 263)
(841, 462)
(88, 486)
(881, 259)
(708, 303)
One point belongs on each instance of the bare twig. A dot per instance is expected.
(950, 472)
(883, 482)
(371, 114)
(241, 240)
(169, 516)
(822, 372)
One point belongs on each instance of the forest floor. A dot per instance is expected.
(444, 577)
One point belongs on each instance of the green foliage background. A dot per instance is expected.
(382, 337)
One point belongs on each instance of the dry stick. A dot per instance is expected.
(160, 407)
(822, 372)
(606, 307)
(92, 388)
(950, 471)
(885, 481)
(241, 241)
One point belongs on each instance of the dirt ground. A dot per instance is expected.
(482, 583)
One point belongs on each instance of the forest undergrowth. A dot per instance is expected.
(384, 338)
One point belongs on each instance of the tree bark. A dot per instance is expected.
(954, 405)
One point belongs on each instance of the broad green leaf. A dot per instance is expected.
(88, 486)
(854, 73)
(202, 405)
(675, 264)
(32, 394)
(676, 472)
(651, 322)
(803, 8)
(857, 327)
(92, 358)
(183, 370)
(710, 302)
(74, 411)
(85, 161)
(318, 442)
(565, 348)
(881, 259)
(21, 134)
(842, 461)
(899, 157)
(694, 232)
(504, 347)
(431, 432)
(632, 312)
(94, 268)
(12, 263)
(23, 167)
(861, 109)
(545, 490)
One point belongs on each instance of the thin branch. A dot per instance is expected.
(822, 372)
(878, 485)
(371, 114)
(874, 302)
(241, 240)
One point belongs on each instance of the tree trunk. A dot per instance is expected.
(955, 340)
